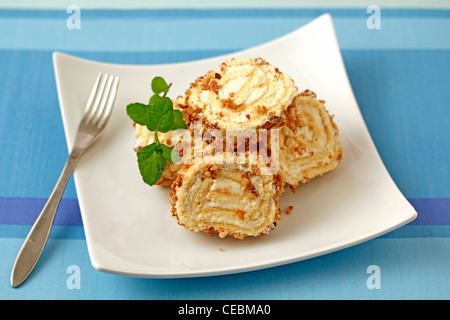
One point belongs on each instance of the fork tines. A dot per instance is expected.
(100, 102)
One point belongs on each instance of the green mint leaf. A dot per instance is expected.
(178, 120)
(154, 99)
(160, 117)
(169, 154)
(159, 85)
(138, 112)
(151, 163)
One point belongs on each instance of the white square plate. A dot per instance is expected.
(128, 226)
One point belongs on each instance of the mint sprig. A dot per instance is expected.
(138, 112)
(158, 116)
(159, 85)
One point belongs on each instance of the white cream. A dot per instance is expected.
(230, 185)
(258, 89)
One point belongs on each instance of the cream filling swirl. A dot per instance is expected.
(234, 200)
(309, 146)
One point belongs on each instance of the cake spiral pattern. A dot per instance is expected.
(236, 200)
(309, 145)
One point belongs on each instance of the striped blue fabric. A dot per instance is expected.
(400, 76)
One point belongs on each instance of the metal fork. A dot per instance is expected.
(96, 115)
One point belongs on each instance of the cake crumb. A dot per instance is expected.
(241, 214)
(220, 249)
(289, 209)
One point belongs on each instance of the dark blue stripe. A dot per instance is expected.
(220, 13)
(24, 211)
(431, 211)
(77, 232)
(57, 232)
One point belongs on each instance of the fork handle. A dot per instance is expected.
(37, 237)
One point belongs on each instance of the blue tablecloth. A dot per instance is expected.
(400, 74)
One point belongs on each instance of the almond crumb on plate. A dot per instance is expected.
(289, 209)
